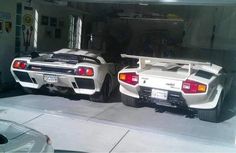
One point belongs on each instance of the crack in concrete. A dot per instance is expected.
(119, 141)
(33, 119)
(94, 116)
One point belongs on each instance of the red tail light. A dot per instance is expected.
(20, 64)
(130, 78)
(190, 86)
(84, 71)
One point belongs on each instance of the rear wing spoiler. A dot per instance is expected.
(143, 60)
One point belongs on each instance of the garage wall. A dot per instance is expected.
(48, 42)
(10, 48)
(225, 30)
(7, 39)
(199, 31)
(199, 27)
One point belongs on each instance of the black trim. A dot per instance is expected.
(174, 98)
(74, 85)
(82, 57)
(33, 79)
(204, 74)
(85, 83)
(51, 69)
(23, 76)
(73, 57)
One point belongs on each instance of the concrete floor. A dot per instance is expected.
(77, 124)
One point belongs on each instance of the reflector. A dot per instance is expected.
(89, 72)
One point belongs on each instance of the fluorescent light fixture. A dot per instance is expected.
(36, 18)
(168, 1)
(143, 4)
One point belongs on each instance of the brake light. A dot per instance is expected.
(89, 72)
(130, 78)
(84, 71)
(20, 64)
(190, 86)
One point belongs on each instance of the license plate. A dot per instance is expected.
(159, 94)
(50, 78)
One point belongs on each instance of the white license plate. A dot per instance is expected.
(159, 94)
(50, 78)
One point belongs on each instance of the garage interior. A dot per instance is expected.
(173, 29)
(186, 29)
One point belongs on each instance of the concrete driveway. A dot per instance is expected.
(77, 124)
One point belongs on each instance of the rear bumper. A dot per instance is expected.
(80, 85)
(174, 99)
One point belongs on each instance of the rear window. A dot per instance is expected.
(65, 56)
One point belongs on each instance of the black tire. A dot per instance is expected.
(103, 95)
(212, 115)
(129, 101)
(29, 90)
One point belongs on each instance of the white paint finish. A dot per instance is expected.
(139, 141)
(16, 115)
(129, 91)
(79, 135)
(160, 82)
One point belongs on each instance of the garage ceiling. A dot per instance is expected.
(170, 2)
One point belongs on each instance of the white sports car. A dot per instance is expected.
(175, 83)
(85, 72)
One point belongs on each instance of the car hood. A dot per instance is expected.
(20, 138)
(11, 130)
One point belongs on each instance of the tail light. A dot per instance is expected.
(18, 64)
(130, 78)
(84, 71)
(190, 86)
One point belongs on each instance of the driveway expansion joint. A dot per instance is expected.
(119, 141)
(33, 119)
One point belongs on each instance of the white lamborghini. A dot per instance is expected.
(199, 86)
(85, 72)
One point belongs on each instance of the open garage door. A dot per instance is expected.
(170, 2)
(163, 28)
(160, 28)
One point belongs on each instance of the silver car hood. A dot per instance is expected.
(12, 130)
(21, 138)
